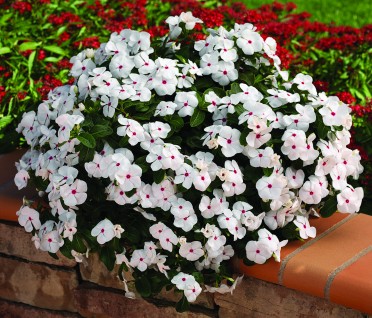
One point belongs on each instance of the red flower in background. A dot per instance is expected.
(21, 95)
(48, 83)
(41, 55)
(2, 93)
(346, 97)
(22, 6)
(90, 42)
(321, 86)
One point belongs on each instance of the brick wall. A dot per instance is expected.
(33, 284)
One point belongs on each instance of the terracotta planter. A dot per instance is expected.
(10, 196)
(336, 265)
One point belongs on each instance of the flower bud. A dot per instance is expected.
(90, 53)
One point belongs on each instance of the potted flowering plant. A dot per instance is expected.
(169, 157)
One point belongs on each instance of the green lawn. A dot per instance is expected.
(343, 12)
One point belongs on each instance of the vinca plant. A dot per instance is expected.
(169, 157)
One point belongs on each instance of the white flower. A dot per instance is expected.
(21, 179)
(208, 207)
(185, 175)
(104, 231)
(209, 63)
(28, 218)
(349, 200)
(258, 252)
(191, 251)
(310, 192)
(303, 225)
(139, 260)
(121, 65)
(294, 143)
(132, 129)
(122, 258)
(165, 108)
(186, 103)
(75, 193)
(338, 175)
(51, 242)
(164, 194)
(226, 73)
(228, 139)
(335, 114)
(66, 122)
(295, 177)
(250, 42)
(202, 180)
(205, 46)
(270, 239)
(157, 229)
(164, 85)
(232, 188)
(96, 167)
(305, 83)
(216, 241)
(118, 230)
(223, 288)
(213, 100)
(189, 20)
(192, 291)
(227, 51)
(270, 188)
(129, 177)
(181, 208)
(257, 139)
(186, 223)
(82, 67)
(181, 280)
(109, 105)
(167, 239)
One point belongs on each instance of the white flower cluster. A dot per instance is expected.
(276, 132)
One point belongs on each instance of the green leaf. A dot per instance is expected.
(175, 121)
(322, 129)
(85, 154)
(30, 62)
(197, 118)
(5, 121)
(101, 131)
(54, 255)
(157, 283)
(25, 46)
(52, 59)
(66, 249)
(87, 140)
(61, 30)
(239, 109)
(290, 231)
(247, 78)
(142, 163)
(235, 88)
(243, 136)
(329, 207)
(78, 244)
(130, 193)
(107, 256)
(159, 176)
(183, 305)
(143, 286)
(5, 50)
(5, 18)
(55, 49)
